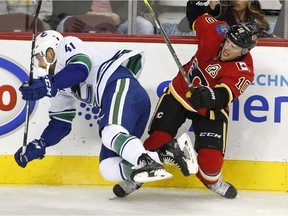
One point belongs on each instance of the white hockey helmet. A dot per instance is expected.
(45, 40)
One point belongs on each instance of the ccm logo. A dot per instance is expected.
(48, 85)
(209, 134)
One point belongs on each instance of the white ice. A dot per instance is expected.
(92, 200)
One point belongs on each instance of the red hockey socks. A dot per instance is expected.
(156, 140)
(210, 163)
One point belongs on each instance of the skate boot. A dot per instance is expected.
(223, 188)
(125, 187)
(148, 170)
(181, 153)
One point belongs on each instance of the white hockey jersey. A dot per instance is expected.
(101, 66)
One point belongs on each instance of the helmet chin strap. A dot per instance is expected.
(244, 51)
(49, 64)
(47, 68)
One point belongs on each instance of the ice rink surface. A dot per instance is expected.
(92, 200)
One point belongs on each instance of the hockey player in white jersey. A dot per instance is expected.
(107, 80)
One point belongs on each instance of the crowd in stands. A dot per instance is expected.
(111, 16)
(25, 7)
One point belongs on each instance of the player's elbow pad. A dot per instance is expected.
(71, 75)
(193, 11)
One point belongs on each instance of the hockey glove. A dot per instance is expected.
(35, 150)
(44, 86)
(202, 97)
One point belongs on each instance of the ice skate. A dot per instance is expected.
(223, 188)
(125, 187)
(181, 153)
(148, 170)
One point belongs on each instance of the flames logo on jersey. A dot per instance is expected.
(213, 70)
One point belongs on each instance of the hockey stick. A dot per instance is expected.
(168, 43)
(26, 126)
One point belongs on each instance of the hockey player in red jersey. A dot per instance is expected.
(220, 71)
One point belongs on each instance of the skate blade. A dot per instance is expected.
(158, 175)
(114, 197)
(186, 146)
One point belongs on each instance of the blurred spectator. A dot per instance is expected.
(28, 7)
(234, 12)
(64, 8)
(245, 11)
(143, 26)
(99, 7)
(103, 7)
(115, 9)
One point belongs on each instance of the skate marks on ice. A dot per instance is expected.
(90, 200)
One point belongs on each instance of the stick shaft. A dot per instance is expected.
(26, 125)
(169, 45)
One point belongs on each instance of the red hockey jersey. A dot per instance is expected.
(205, 68)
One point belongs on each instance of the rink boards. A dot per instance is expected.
(256, 157)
